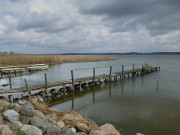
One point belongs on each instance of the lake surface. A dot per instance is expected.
(134, 105)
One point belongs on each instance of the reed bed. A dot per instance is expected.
(17, 59)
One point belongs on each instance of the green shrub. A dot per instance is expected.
(21, 133)
(10, 106)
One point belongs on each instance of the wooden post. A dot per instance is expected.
(133, 68)
(10, 82)
(157, 86)
(122, 71)
(142, 65)
(46, 87)
(28, 90)
(110, 73)
(11, 98)
(94, 72)
(72, 76)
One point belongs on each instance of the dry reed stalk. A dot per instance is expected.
(18, 59)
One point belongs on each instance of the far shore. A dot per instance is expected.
(19, 59)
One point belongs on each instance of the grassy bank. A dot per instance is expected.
(11, 60)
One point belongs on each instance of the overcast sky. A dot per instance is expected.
(89, 26)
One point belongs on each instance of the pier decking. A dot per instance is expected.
(112, 76)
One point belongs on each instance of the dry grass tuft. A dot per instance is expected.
(18, 59)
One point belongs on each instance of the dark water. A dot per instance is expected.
(133, 105)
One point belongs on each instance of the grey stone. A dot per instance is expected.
(5, 130)
(139, 134)
(80, 133)
(82, 127)
(53, 130)
(27, 109)
(31, 130)
(39, 114)
(97, 132)
(68, 131)
(16, 126)
(17, 107)
(1, 120)
(11, 115)
(20, 102)
(40, 123)
(60, 124)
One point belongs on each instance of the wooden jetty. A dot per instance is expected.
(77, 83)
(21, 69)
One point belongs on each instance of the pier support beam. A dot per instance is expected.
(94, 72)
(122, 71)
(72, 76)
(46, 87)
(10, 80)
(28, 90)
(110, 73)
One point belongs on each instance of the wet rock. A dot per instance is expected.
(5, 130)
(60, 124)
(17, 107)
(109, 129)
(40, 123)
(53, 130)
(16, 126)
(27, 109)
(31, 130)
(68, 131)
(82, 127)
(97, 132)
(39, 114)
(11, 115)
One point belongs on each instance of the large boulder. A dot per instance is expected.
(39, 114)
(53, 130)
(27, 109)
(17, 107)
(82, 127)
(11, 115)
(40, 123)
(97, 132)
(5, 130)
(31, 130)
(109, 129)
(16, 126)
(68, 131)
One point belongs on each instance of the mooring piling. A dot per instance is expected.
(28, 90)
(46, 87)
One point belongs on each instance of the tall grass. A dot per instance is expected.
(17, 59)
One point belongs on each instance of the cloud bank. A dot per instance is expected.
(80, 26)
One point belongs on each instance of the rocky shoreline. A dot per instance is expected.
(32, 118)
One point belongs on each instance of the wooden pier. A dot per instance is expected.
(21, 70)
(77, 83)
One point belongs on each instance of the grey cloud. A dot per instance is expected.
(158, 16)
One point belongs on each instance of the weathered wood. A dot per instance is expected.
(28, 90)
(94, 72)
(46, 86)
(76, 81)
(72, 76)
(110, 73)
(11, 99)
(10, 81)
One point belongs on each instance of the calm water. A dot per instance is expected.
(133, 105)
